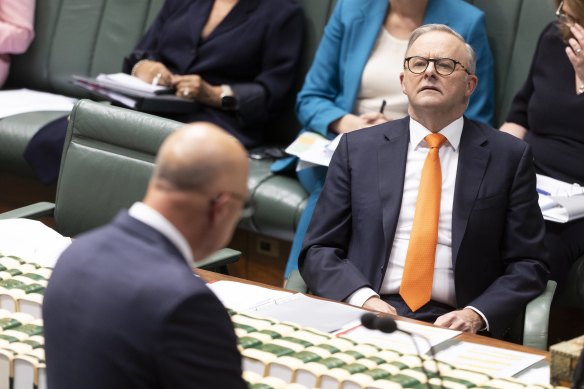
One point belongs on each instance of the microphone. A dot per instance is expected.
(388, 325)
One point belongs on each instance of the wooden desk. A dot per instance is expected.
(210, 276)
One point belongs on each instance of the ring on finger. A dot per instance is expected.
(185, 92)
(578, 50)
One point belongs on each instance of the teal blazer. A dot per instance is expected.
(332, 84)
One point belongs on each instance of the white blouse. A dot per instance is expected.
(380, 79)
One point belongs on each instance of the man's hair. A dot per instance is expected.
(418, 32)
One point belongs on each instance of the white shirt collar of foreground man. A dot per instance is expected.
(154, 219)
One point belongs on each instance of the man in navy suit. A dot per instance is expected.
(123, 308)
(489, 257)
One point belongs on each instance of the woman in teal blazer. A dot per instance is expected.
(333, 81)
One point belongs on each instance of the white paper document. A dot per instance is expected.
(306, 311)
(32, 241)
(14, 102)
(242, 297)
(322, 315)
(560, 201)
(314, 148)
(125, 81)
(494, 361)
(424, 337)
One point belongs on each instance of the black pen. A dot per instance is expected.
(383, 103)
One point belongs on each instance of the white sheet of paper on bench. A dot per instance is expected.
(14, 102)
(398, 341)
(32, 241)
(310, 312)
(242, 297)
(494, 361)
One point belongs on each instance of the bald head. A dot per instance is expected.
(195, 157)
(200, 185)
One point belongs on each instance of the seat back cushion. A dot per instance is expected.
(107, 162)
(83, 37)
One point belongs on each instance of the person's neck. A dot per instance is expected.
(411, 9)
(404, 16)
(433, 122)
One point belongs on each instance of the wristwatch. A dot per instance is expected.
(228, 99)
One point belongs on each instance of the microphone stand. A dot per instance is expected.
(388, 325)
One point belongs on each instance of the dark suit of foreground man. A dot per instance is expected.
(489, 252)
(123, 308)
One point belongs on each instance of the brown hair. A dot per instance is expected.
(577, 7)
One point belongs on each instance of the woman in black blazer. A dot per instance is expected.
(237, 58)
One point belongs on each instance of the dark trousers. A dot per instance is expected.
(428, 313)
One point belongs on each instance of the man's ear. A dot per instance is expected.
(401, 81)
(218, 206)
(471, 84)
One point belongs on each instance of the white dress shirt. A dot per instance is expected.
(443, 290)
(154, 219)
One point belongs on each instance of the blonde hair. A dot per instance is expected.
(578, 8)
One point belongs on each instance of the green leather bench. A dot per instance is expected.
(83, 37)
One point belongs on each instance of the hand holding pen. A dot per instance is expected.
(373, 118)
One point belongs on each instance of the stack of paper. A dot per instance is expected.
(560, 201)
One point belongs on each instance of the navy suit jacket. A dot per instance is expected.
(255, 49)
(124, 310)
(497, 226)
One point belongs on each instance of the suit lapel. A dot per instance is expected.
(391, 157)
(472, 163)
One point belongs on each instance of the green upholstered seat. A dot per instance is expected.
(84, 37)
(107, 162)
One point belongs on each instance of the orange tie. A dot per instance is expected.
(416, 286)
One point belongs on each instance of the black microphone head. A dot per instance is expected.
(368, 320)
(386, 324)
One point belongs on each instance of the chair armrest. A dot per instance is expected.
(295, 282)
(537, 314)
(32, 211)
(219, 259)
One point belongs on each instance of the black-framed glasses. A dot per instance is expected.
(565, 18)
(443, 66)
(247, 205)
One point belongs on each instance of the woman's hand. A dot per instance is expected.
(575, 51)
(374, 118)
(150, 71)
(352, 122)
(192, 86)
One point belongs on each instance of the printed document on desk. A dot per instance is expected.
(425, 336)
(560, 201)
(494, 361)
(306, 311)
(313, 148)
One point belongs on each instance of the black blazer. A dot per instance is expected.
(123, 310)
(497, 226)
(255, 49)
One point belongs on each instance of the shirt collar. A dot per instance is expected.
(452, 132)
(154, 219)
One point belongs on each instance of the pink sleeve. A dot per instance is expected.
(16, 25)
